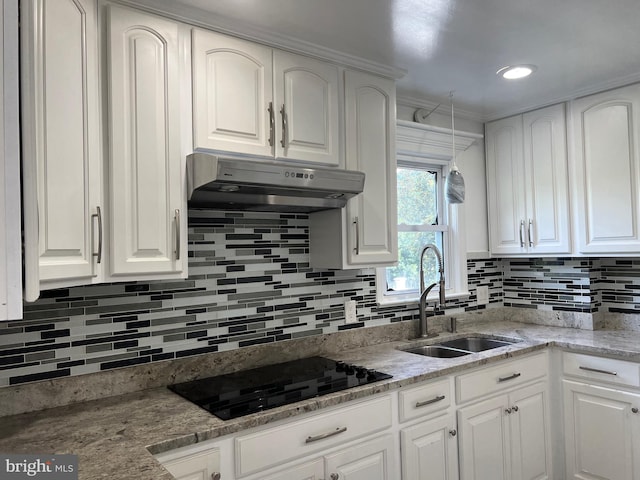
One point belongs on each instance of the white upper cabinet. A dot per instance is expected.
(250, 99)
(77, 230)
(146, 163)
(61, 143)
(365, 232)
(232, 94)
(306, 98)
(528, 184)
(607, 170)
(10, 239)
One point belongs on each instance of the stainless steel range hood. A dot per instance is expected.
(239, 184)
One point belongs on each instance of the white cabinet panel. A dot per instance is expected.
(232, 91)
(529, 422)
(61, 143)
(429, 449)
(545, 161)
(306, 98)
(607, 166)
(484, 441)
(602, 434)
(527, 177)
(372, 460)
(312, 470)
(146, 164)
(505, 171)
(196, 466)
(10, 211)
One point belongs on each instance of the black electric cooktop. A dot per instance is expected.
(250, 391)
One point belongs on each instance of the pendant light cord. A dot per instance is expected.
(453, 135)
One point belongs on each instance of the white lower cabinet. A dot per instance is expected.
(505, 435)
(601, 418)
(198, 465)
(429, 449)
(372, 460)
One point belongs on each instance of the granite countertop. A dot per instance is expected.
(115, 437)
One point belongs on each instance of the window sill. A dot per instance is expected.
(389, 300)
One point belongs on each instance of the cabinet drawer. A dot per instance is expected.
(280, 444)
(422, 400)
(608, 370)
(502, 376)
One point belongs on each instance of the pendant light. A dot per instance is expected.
(454, 183)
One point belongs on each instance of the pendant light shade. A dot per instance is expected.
(454, 183)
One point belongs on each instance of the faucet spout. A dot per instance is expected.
(425, 291)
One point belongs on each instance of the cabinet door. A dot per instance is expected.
(306, 103)
(429, 450)
(60, 141)
(374, 460)
(198, 466)
(602, 435)
(10, 211)
(146, 164)
(529, 428)
(545, 174)
(232, 91)
(505, 186)
(607, 168)
(372, 231)
(312, 470)
(484, 440)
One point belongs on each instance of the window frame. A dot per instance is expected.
(455, 256)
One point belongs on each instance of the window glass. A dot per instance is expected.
(418, 225)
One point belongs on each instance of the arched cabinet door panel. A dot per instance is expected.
(146, 163)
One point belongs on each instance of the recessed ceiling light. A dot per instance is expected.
(513, 72)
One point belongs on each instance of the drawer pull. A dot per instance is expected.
(597, 370)
(215, 476)
(510, 377)
(315, 438)
(429, 402)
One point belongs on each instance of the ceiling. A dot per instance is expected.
(579, 46)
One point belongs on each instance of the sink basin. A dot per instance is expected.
(458, 347)
(475, 344)
(437, 351)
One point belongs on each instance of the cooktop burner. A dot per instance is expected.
(250, 391)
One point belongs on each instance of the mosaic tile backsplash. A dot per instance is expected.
(250, 282)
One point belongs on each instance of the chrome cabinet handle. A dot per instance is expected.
(283, 142)
(529, 233)
(522, 233)
(357, 248)
(634, 410)
(597, 370)
(507, 411)
(315, 438)
(177, 220)
(215, 476)
(272, 121)
(98, 215)
(453, 432)
(515, 408)
(334, 476)
(510, 377)
(429, 402)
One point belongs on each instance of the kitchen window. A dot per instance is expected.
(423, 217)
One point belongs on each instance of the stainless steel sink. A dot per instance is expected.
(475, 344)
(459, 347)
(437, 351)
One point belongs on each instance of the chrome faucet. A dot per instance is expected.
(424, 331)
